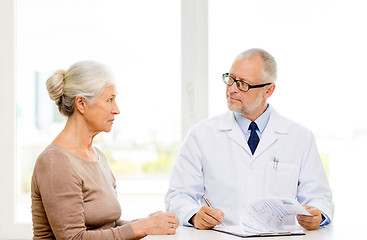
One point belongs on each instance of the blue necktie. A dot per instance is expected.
(253, 141)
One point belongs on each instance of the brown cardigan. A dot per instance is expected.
(74, 198)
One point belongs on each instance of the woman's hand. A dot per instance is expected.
(157, 223)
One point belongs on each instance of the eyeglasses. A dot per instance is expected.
(241, 85)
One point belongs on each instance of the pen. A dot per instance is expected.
(275, 165)
(209, 205)
(207, 202)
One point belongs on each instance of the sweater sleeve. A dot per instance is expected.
(59, 187)
(119, 222)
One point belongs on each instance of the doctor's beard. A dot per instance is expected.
(246, 110)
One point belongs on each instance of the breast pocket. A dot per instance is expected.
(282, 180)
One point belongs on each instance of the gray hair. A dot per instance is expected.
(270, 65)
(86, 79)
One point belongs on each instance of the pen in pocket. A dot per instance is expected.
(275, 163)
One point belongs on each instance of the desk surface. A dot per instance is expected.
(327, 233)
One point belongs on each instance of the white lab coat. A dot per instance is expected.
(215, 160)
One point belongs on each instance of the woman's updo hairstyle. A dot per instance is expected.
(85, 78)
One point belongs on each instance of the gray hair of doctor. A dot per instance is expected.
(270, 65)
(86, 79)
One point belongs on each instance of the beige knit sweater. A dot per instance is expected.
(74, 198)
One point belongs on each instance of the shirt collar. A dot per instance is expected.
(261, 121)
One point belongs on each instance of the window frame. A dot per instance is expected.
(194, 104)
(9, 228)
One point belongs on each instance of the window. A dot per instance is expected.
(144, 58)
(320, 50)
(115, 33)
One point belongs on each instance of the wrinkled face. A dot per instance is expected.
(250, 104)
(101, 113)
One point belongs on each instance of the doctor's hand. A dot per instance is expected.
(207, 218)
(310, 222)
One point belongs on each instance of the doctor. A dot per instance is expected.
(250, 152)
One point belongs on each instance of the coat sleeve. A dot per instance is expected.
(313, 185)
(186, 185)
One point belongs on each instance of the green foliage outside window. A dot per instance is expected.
(165, 159)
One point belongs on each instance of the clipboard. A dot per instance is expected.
(251, 235)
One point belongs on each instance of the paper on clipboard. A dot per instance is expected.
(268, 216)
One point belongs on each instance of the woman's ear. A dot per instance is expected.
(80, 104)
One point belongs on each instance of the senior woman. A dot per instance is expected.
(73, 188)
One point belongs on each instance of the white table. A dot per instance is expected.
(327, 233)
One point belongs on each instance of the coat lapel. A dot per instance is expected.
(275, 129)
(233, 131)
